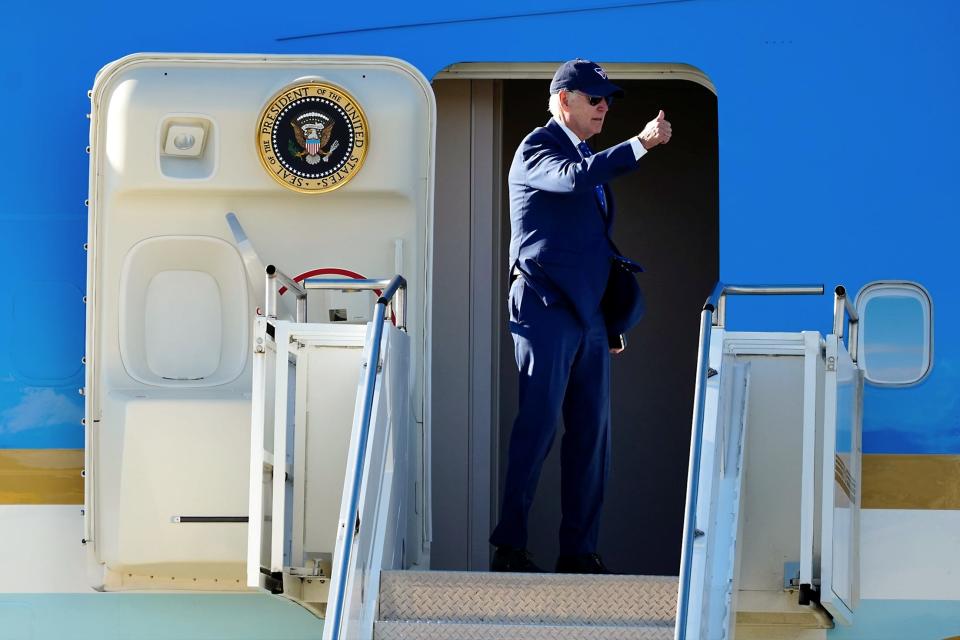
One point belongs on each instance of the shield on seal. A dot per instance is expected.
(313, 146)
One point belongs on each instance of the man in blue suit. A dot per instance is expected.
(561, 212)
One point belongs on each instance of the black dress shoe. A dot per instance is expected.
(513, 560)
(582, 563)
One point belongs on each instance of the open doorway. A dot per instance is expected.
(667, 219)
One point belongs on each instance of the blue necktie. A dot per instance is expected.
(601, 198)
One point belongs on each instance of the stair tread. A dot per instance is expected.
(406, 630)
(512, 577)
(562, 599)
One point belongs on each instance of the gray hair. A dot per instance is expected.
(553, 106)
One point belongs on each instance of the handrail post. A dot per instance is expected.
(841, 305)
(301, 308)
(720, 319)
(400, 308)
(270, 303)
(718, 304)
(838, 308)
(853, 342)
(273, 275)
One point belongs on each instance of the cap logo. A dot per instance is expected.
(312, 137)
(600, 72)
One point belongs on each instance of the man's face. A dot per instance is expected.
(583, 119)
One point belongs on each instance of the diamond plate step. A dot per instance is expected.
(527, 599)
(387, 630)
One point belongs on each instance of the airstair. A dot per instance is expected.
(331, 506)
(771, 535)
(772, 530)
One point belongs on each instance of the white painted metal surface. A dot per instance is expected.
(183, 312)
(293, 451)
(725, 529)
(840, 506)
(809, 479)
(910, 554)
(281, 412)
(327, 378)
(308, 502)
(771, 420)
(710, 613)
(41, 550)
(261, 458)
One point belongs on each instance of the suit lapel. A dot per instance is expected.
(557, 132)
(574, 154)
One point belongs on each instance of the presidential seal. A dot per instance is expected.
(312, 137)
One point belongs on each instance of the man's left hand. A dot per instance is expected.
(617, 344)
(657, 131)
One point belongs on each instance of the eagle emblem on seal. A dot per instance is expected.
(312, 131)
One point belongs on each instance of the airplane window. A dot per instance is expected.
(896, 332)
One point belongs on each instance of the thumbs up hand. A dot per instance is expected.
(656, 132)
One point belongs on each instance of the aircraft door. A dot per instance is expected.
(830, 482)
(840, 502)
(328, 161)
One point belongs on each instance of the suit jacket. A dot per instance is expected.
(560, 239)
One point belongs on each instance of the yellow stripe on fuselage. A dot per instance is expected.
(889, 481)
(911, 481)
(41, 476)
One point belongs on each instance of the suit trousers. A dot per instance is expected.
(564, 370)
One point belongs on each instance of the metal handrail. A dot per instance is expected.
(349, 526)
(841, 305)
(274, 274)
(346, 284)
(715, 303)
(399, 306)
(718, 299)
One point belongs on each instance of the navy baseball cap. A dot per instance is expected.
(586, 77)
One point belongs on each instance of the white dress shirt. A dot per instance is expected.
(638, 150)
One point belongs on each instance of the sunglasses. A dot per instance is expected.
(595, 100)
